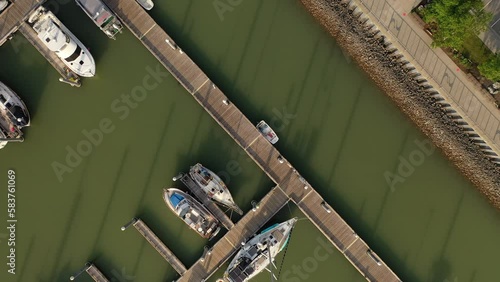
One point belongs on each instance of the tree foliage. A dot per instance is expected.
(455, 20)
(491, 68)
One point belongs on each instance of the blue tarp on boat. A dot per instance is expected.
(175, 199)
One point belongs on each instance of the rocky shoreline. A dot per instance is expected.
(411, 97)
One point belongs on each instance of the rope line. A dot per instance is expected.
(284, 254)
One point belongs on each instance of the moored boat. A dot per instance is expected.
(102, 16)
(9, 135)
(193, 213)
(213, 186)
(268, 132)
(3, 4)
(146, 4)
(60, 40)
(13, 108)
(259, 251)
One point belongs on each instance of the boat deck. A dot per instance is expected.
(159, 246)
(51, 57)
(96, 274)
(290, 184)
(210, 205)
(14, 16)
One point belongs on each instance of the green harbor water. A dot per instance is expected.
(275, 63)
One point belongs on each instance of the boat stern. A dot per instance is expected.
(216, 231)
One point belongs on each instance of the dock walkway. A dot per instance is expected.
(14, 16)
(290, 185)
(210, 205)
(55, 61)
(164, 251)
(96, 274)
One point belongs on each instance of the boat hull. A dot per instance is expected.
(12, 107)
(211, 184)
(146, 4)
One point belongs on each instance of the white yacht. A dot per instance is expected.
(259, 252)
(213, 186)
(60, 40)
(146, 4)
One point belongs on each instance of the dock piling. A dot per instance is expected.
(74, 276)
(91, 270)
(255, 205)
(177, 177)
(206, 252)
(134, 220)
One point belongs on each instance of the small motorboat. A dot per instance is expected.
(102, 16)
(268, 132)
(146, 4)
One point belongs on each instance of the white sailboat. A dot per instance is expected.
(61, 41)
(259, 252)
(213, 186)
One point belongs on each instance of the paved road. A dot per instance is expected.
(394, 19)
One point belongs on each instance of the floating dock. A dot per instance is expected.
(96, 274)
(159, 246)
(14, 16)
(290, 185)
(93, 271)
(209, 204)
